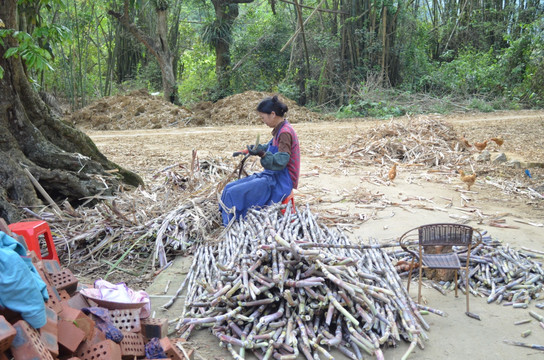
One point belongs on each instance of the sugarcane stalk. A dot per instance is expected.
(294, 345)
(340, 308)
(257, 302)
(409, 350)
(321, 350)
(360, 344)
(356, 349)
(432, 310)
(271, 317)
(344, 350)
(233, 353)
(518, 343)
(536, 316)
(305, 345)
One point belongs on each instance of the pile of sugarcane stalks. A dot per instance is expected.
(499, 273)
(261, 289)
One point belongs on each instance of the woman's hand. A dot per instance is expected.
(257, 150)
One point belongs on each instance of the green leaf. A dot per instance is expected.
(11, 52)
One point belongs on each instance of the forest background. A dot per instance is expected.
(353, 58)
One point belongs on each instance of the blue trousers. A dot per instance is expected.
(259, 189)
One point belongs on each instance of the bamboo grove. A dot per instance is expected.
(318, 52)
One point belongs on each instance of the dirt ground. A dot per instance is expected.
(359, 199)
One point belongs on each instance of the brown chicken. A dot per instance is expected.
(498, 140)
(465, 142)
(481, 145)
(467, 179)
(393, 172)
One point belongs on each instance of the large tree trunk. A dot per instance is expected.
(226, 12)
(159, 46)
(64, 160)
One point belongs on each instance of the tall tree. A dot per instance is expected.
(219, 33)
(157, 45)
(63, 160)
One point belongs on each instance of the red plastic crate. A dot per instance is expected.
(32, 231)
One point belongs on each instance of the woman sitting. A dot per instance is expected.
(280, 158)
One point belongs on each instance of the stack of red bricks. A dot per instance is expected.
(70, 334)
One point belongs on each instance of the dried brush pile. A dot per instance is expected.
(420, 141)
(167, 219)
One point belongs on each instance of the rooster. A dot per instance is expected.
(467, 179)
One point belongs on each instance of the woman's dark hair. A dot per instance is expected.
(270, 104)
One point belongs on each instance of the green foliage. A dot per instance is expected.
(150, 75)
(348, 111)
(52, 33)
(364, 108)
(470, 73)
(288, 88)
(33, 55)
(472, 60)
(522, 64)
(29, 49)
(257, 41)
(481, 105)
(414, 50)
(215, 32)
(198, 77)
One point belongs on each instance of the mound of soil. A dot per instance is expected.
(140, 110)
(239, 109)
(135, 110)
